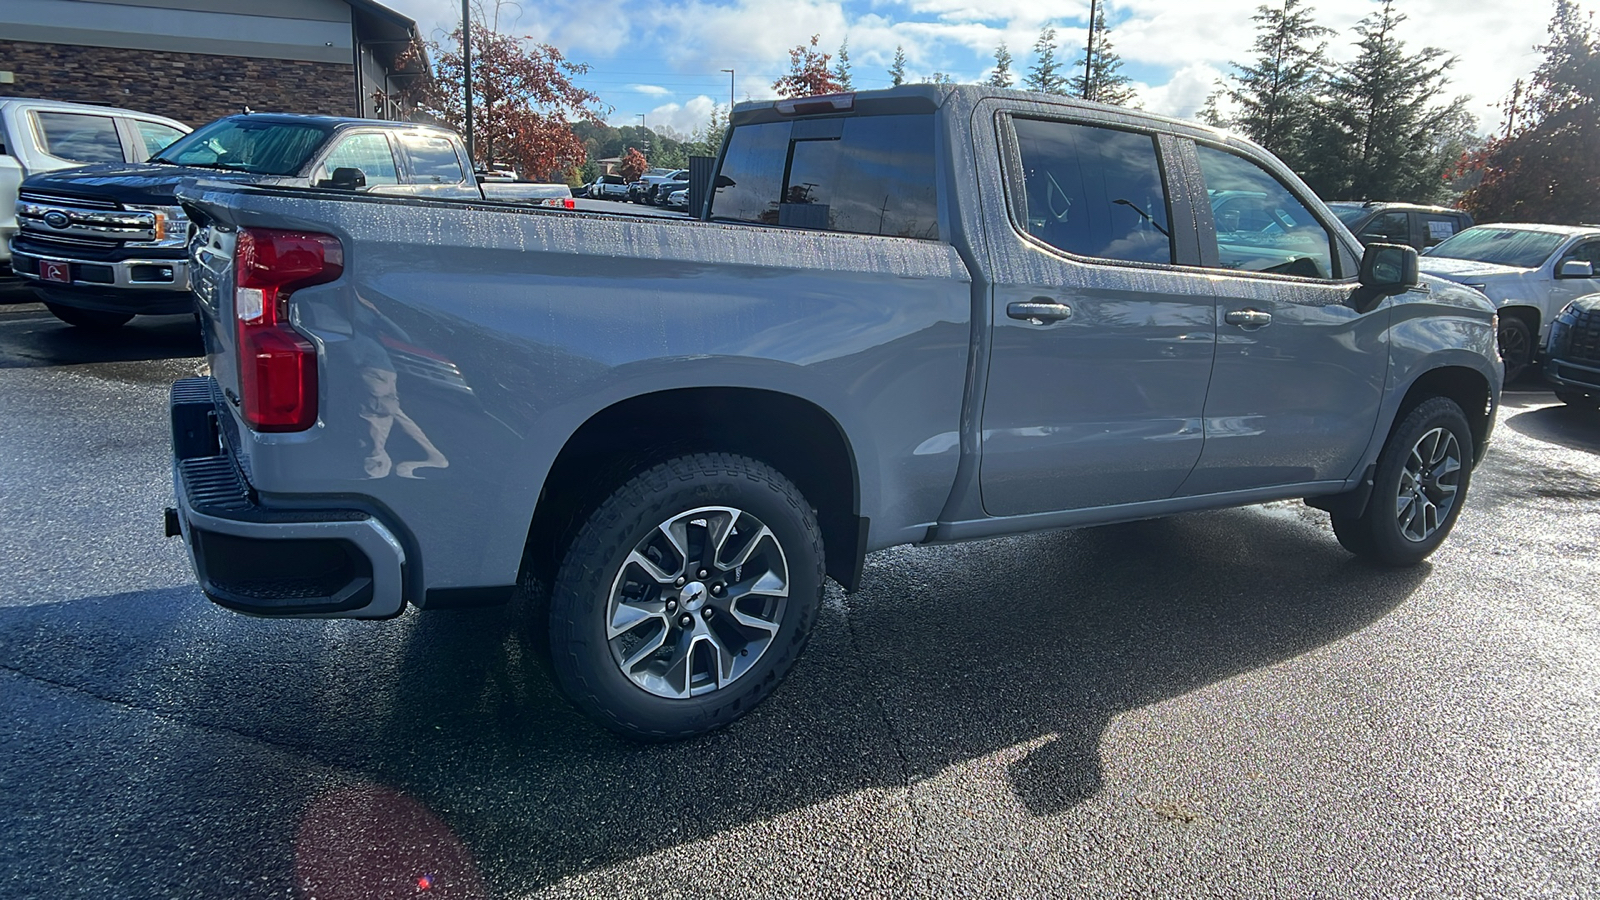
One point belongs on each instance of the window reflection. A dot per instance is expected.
(1093, 191)
(1260, 225)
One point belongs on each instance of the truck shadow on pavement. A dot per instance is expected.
(30, 337)
(947, 655)
(1567, 426)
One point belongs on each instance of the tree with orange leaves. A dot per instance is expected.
(523, 101)
(633, 165)
(809, 74)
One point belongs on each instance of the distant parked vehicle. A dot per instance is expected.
(662, 192)
(1531, 272)
(609, 187)
(45, 136)
(655, 190)
(1401, 223)
(1574, 363)
(678, 199)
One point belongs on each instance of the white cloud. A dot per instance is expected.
(654, 90)
(684, 118)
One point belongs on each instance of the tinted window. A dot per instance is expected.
(1501, 246)
(1093, 191)
(866, 175)
(248, 145)
(433, 159)
(368, 152)
(1437, 229)
(1388, 228)
(156, 136)
(1588, 251)
(79, 137)
(1261, 226)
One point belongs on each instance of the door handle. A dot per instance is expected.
(1039, 310)
(1248, 318)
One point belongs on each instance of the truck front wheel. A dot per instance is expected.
(686, 597)
(1418, 488)
(91, 319)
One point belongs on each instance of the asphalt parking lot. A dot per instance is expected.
(1216, 705)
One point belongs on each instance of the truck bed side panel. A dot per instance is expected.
(465, 344)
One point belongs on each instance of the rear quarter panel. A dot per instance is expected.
(490, 335)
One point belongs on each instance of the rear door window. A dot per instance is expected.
(1093, 191)
(433, 159)
(864, 175)
(79, 137)
(1261, 226)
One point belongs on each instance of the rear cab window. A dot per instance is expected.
(80, 137)
(860, 174)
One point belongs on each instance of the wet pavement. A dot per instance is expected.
(1214, 705)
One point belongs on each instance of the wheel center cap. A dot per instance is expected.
(693, 596)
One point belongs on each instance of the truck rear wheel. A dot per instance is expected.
(1418, 488)
(686, 597)
(91, 319)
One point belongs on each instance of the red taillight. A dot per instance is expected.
(277, 365)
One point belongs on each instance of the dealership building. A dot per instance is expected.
(196, 60)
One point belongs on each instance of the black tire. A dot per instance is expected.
(1378, 533)
(1516, 346)
(90, 319)
(587, 663)
(1578, 399)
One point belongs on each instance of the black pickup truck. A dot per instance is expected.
(104, 243)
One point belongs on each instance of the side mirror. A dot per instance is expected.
(1386, 269)
(1575, 268)
(1390, 268)
(346, 178)
(722, 181)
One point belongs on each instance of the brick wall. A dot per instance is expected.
(190, 87)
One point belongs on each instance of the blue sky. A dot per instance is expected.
(665, 59)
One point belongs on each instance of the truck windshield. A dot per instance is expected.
(262, 147)
(1501, 246)
(1347, 214)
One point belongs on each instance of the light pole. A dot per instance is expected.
(730, 90)
(1088, 54)
(466, 74)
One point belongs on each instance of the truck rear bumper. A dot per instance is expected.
(265, 561)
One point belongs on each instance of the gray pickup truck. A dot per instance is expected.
(918, 315)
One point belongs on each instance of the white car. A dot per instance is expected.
(47, 135)
(1530, 272)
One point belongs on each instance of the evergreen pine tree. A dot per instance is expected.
(1545, 168)
(1377, 134)
(1002, 77)
(1275, 95)
(841, 66)
(1103, 83)
(1044, 75)
(897, 71)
